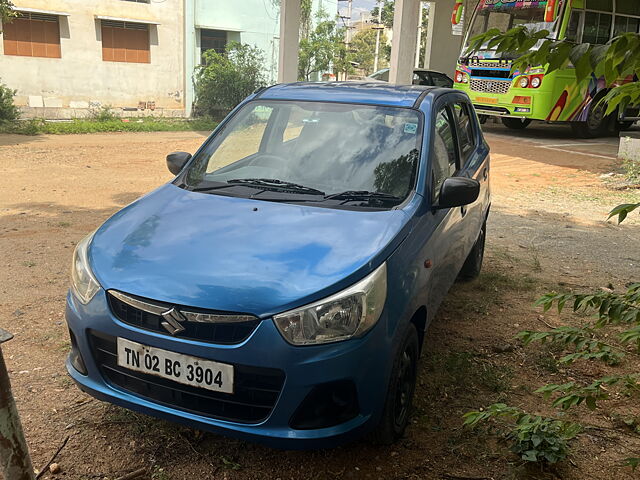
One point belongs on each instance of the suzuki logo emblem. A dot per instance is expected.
(172, 321)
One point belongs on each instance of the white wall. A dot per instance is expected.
(81, 76)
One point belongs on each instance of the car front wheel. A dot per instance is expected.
(473, 263)
(402, 384)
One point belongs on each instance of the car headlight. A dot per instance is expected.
(346, 314)
(83, 283)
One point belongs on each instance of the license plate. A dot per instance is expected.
(489, 100)
(180, 368)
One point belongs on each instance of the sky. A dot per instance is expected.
(357, 7)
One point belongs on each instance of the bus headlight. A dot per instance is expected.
(459, 77)
(535, 82)
(523, 82)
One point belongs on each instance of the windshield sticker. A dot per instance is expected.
(410, 128)
(512, 3)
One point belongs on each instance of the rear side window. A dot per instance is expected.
(440, 80)
(444, 151)
(466, 134)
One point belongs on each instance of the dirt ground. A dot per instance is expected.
(547, 231)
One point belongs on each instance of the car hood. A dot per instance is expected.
(236, 254)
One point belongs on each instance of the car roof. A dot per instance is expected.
(366, 93)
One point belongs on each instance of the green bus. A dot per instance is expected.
(536, 95)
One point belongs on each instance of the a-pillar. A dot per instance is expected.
(403, 45)
(289, 41)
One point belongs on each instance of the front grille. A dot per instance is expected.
(490, 73)
(490, 86)
(256, 388)
(219, 332)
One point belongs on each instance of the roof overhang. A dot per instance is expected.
(39, 10)
(224, 29)
(129, 20)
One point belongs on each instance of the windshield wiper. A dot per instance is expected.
(275, 184)
(350, 195)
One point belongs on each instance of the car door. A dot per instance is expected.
(443, 226)
(474, 163)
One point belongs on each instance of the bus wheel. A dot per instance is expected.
(624, 126)
(516, 123)
(598, 124)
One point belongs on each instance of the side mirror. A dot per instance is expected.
(457, 192)
(176, 161)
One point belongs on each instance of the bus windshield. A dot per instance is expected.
(505, 15)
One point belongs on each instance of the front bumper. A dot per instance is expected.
(362, 362)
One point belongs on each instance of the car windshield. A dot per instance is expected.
(324, 151)
(506, 15)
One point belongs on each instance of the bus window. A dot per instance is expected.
(597, 28)
(602, 5)
(573, 29)
(628, 7)
(626, 25)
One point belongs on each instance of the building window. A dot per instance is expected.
(32, 35)
(212, 40)
(125, 42)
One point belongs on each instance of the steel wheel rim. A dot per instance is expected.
(404, 389)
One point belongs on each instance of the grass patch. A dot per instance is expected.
(457, 371)
(146, 124)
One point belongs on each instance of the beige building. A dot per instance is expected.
(66, 58)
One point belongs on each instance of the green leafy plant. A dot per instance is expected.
(606, 310)
(7, 13)
(227, 78)
(102, 114)
(8, 111)
(615, 61)
(533, 438)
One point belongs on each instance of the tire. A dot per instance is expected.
(473, 264)
(402, 384)
(598, 124)
(516, 123)
(624, 126)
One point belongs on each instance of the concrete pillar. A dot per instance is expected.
(443, 47)
(405, 36)
(189, 55)
(289, 41)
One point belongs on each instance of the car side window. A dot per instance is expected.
(444, 162)
(466, 134)
(440, 80)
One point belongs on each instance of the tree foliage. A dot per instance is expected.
(8, 111)
(387, 13)
(6, 12)
(618, 61)
(226, 79)
(322, 49)
(363, 50)
(611, 335)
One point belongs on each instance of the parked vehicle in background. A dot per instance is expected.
(280, 287)
(420, 77)
(536, 95)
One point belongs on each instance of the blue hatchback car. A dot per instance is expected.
(280, 287)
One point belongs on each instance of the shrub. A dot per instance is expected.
(8, 111)
(226, 79)
(533, 438)
(102, 114)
